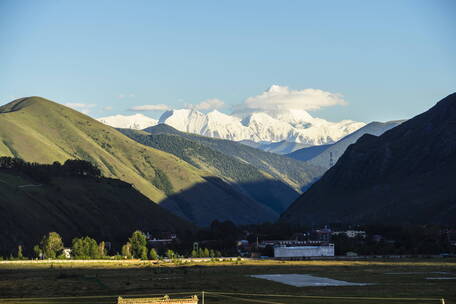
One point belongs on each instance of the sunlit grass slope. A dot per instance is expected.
(39, 130)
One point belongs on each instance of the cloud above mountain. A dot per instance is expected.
(278, 98)
(207, 105)
(151, 107)
(81, 107)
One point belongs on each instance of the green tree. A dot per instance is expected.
(170, 254)
(138, 243)
(37, 250)
(126, 250)
(92, 246)
(194, 253)
(102, 252)
(206, 253)
(20, 255)
(77, 248)
(85, 248)
(143, 253)
(212, 253)
(51, 245)
(200, 253)
(153, 254)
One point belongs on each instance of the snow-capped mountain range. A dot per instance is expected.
(136, 121)
(275, 126)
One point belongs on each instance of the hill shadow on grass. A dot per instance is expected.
(234, 204)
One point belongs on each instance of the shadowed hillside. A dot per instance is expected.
(38, 200)
(259, 185)
(292, 172)
(406, 175)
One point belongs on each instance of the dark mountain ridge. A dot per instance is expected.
(406, 175)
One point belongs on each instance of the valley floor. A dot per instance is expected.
(390, 281)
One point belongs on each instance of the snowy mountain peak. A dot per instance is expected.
(271, 126)
(135, 121)
(294, 125)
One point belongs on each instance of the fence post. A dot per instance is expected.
(442, 301)
(202, 297)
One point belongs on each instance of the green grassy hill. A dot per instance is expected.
(259, 185)
(74, 206)
(296, 174)
(39, 130)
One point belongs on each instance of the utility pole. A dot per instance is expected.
(202, 296)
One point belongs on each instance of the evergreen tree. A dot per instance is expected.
(194, 253)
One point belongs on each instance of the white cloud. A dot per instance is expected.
(81, 107)
(207, 105)
(123, 96)
(154, 107)
(282, 98)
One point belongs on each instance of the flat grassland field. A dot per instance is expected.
(390, 281)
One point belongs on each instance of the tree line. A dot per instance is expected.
(43, 172)
(51, 246)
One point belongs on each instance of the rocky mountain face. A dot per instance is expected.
(406, 175)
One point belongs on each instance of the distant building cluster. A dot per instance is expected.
(303, 251)
(314, 243)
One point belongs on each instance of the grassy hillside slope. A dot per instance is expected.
(39, 130)
(259, 185)
(296, 174)
(74, 206)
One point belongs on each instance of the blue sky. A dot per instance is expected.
(388, 59)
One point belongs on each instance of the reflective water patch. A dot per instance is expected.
(303, 280)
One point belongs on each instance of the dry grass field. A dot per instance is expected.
(394, 281)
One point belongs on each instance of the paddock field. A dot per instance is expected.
(92, 282)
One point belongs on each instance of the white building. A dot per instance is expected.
(351, 233)
(303, 251)
(67, 253)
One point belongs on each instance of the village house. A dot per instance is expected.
(351, 233)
